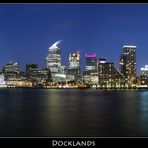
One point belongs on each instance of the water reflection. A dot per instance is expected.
(73, 112)
(144, 112)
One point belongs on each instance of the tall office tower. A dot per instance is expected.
(53, 60)
(74, 66)
(90, 69)
(128, 63)
(91, 62)
(53, 63)
(74, 61)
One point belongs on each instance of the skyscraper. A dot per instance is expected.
(91, 68)
(53, 63)
(74, 61)
(91, 62)
(74, 66)
(53, 60)
(128, 63)
(144, 76)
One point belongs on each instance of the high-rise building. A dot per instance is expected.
(91, 62)
(53, 60)
(123, 61)
(74, 61)
(128, 63)
(73, 71)
(53, 63)
(90, 69)
(144, 71)
(108, 76)
(144, 76)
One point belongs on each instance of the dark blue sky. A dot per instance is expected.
(27, 30)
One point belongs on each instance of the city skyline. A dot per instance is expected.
(28, 30)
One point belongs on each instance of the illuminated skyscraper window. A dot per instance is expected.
(74, 60)
(128, 63)
(144, 71)
(74, 66)
(53, 60)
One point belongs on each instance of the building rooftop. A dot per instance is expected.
(129, 46)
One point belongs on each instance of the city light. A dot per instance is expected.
(145, 68)
(90, 55)
(98, 73)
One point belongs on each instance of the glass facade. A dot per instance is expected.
(73, 71)
(74, 60)
(53, 60)
(91, 62)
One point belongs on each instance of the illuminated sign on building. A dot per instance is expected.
(90, 55)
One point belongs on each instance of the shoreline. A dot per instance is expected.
(99, 88)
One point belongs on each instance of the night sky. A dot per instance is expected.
(27, 31)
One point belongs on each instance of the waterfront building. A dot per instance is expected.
(86, 77)
(13, 76)
(18, 83)
(2, 81)
(144, 71)
(38, 76)
(73, 71)
(11, 71)
(108, 76)
(144, 76)
(128, 63)
(90, 78)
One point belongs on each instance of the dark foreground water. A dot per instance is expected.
(73, 112)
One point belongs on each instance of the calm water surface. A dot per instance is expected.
(73, 112)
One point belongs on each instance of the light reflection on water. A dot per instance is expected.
(144, 112)
(73, 112)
